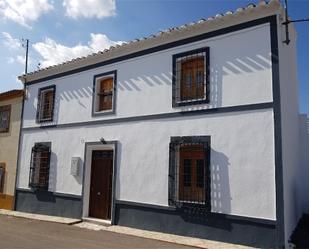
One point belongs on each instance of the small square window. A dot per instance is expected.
(189, 178)
(104, 93)
(46, 99)
(2, 177)
(5, 113)
(191, 77)
(39, 166)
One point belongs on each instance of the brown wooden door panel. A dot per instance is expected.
(192, 79)
(192, 174)
(101, 184)
(106, 94)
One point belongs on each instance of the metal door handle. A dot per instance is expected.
(99, 193)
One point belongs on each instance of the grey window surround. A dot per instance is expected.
(94, 93)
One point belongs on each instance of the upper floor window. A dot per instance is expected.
(2, 177)
(39, 166)
(104, 93)
(191, 77)
(189, 182)
(46, 99)
(5, 113)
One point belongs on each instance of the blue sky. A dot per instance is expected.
(61, 29)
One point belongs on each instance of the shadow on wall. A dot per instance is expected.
(220, 196)
(151, 81)
(304, 171)
(79, 176)
(118, 169)
(53, 172)
(220, 183)
(228, 65)
(32, 112)
(80, 93)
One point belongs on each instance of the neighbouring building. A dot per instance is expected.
(10, 118)
(193, 131)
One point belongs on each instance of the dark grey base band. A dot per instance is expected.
(48, 203)
(196, 223)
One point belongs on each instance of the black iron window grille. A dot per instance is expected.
(2, 177)
(5, 113)
(46, 99)
(39, 167)
(191, 77)
(189, 172)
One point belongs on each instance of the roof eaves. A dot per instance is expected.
(160, 37)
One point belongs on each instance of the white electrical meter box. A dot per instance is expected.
(75, 166)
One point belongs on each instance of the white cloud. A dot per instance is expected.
(90, 8)
(54, 53)
(17, 53)
(10, 60)
(24, 11)
(21, 59)
(11, 42)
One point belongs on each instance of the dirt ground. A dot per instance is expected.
(19, 233)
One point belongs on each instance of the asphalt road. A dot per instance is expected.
(19, 233)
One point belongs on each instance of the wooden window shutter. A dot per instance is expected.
(192, 79)
(39, 168)
(2, 177)
(46, 103)
(106, 94)
(5, 115)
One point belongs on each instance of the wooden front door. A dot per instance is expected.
(101, 184)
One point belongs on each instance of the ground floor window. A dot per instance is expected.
(2, 177)
(189, 173)
(39, 167)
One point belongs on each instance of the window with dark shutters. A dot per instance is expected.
(2, 177)
(189, 172)
(39, 168)
(5, 114)
(46, 99)
(191, 77)
(106, 94)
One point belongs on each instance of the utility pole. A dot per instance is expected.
(288, 21)
(25, 44)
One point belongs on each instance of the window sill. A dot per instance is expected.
(190, 102)
(101, 113)
(44, 120)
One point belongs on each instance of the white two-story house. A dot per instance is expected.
(193, 131)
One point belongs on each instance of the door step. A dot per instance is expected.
(96, 221)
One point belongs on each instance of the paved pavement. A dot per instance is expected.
(20, 233)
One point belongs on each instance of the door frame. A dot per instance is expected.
(89, 147)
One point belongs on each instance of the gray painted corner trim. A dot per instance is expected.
(277, 134)
(211, 111)
(113, 204)
(65, 195)
(19, 148)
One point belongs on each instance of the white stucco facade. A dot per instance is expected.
(258, 141)
(240, 71)
(234, 172)
(242, 142)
